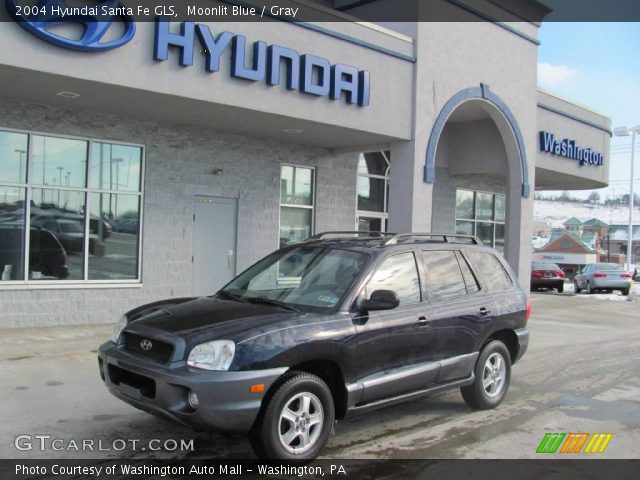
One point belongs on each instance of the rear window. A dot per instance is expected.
(544, 266)
(490, 270)
(609, 266)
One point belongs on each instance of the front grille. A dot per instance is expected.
(159, 351)
(120, 376)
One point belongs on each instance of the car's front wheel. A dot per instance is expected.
(296, 420)
(576, 288)
(492, 375)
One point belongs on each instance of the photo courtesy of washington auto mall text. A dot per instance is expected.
(339, 239)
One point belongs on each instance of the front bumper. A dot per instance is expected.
(226, 401)
(523, 342)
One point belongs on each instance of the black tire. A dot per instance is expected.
(589, 290)
(560, 288)
(267, 436)
(576, 288)
(475, 394)
(625, 291)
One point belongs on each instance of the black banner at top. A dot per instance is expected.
(534, 11)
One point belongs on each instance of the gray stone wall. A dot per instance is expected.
(179, 164)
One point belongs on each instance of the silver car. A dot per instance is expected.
(602, 276)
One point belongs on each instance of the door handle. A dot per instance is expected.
(423, 321)
(484, 311)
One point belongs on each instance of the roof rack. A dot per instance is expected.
(357, 233)
(446, 237)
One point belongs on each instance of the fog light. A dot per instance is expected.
(193, 400)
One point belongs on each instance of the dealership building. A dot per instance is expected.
(167, 164)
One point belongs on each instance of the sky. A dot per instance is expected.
(597, 65)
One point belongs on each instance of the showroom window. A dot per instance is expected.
(481, 214)
(297, 187)
(373, 191)
(70, 209)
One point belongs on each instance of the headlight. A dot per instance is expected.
(216, 355)
(117, 330)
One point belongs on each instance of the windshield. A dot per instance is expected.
(545, 266)
(70, 227)
(305, 278)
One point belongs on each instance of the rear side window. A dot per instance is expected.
(444, 277)
(490, 270)
(469, 279)
(398, 273)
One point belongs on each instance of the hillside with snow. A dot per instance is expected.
(556, 213)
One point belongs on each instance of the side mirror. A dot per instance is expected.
(381, 300)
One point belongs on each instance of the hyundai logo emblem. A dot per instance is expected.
(96, 22)
(146, 344)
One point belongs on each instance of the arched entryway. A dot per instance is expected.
(477, 161)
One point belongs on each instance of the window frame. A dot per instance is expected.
(87, 190)
(475, 220)
(311, 207)
(384, 215)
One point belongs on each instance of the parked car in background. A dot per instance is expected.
(547, 275)
(70, 231)
(321, 329)
(603, 276)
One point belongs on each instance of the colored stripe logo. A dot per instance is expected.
(559, 442)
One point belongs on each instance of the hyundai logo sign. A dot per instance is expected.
(146, 344)
(96, 22)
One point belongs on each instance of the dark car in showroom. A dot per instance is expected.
(344, 322)
(46, 254)
(547, 275)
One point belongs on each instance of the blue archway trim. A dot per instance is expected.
(482, 92)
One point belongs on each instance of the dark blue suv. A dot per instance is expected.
(342, 323)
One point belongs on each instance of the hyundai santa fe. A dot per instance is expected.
(342, 323)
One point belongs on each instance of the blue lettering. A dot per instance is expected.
(275, 53)
(213, 47)
(238, 68)
(183, 40)
(344, 79)
(311, 64)
(546, 141)
(364, 88)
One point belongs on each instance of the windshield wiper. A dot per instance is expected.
(231, 296)
(269, 301)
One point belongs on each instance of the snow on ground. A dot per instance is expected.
(616, 295)
(556, 213)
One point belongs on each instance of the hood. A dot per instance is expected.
(199, 316)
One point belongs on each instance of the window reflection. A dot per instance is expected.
(59, 162)
(12, 202)
(114, 224)
(65, 223)
(13, 157)
(115, 167)
(397, 273)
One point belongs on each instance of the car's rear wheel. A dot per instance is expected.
(589, 290)
(492, 375)
(576, 288)
(625, 291)
(560, 288)
(296, 420)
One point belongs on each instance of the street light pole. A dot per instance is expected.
(624, 132)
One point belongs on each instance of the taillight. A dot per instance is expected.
(560, 273)
(626, 275)
(528, 312)
(599, 275)
(536, 273)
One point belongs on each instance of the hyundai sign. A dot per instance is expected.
(305, 73)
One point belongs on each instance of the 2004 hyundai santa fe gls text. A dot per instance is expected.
(343, 322)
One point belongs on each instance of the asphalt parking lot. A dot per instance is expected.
(580, 375)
